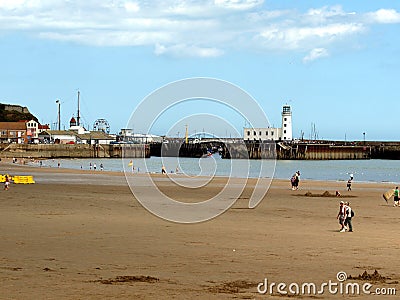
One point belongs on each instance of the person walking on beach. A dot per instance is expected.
(101, 167)
(349, 215)
(396, 196)
(90, 165)
(6, 183)
(341, 216)
(293, 182)
(163, 170)
(297, 180)
(94, 166)
(349, 185)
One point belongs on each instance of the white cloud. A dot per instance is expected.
(18, 4)
(238, 4)
(315, 53)
(206, 28)
(302, 37)
(183, 50)
(326, 12)
(384, 16)
(131, 6)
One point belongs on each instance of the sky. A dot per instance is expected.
(337, 63)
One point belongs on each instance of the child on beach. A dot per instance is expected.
(6, 183)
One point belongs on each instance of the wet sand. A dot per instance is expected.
(83, 235)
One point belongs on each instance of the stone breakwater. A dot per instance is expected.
(74, 150)
(251, 150)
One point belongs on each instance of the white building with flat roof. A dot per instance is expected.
(284, 133)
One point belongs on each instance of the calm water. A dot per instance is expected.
(336, 170)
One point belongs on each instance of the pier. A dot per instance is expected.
(228, 148)
(74, 150)
(299, 150)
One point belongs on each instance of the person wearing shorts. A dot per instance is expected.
(396, 196)
(6, 183)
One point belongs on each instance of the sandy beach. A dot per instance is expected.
(82, 235)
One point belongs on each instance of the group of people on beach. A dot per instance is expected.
(95, 166)
(344, 216)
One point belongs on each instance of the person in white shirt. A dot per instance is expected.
(347, 222)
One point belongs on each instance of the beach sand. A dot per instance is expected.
(83, 235)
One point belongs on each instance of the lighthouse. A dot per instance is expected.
(284, 133)
(287, 123)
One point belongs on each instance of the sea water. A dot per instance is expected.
(332, 170)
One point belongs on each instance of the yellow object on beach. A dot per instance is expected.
(23, 179)
(388, 194)
(3, 178)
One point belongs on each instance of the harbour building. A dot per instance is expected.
(284, 133)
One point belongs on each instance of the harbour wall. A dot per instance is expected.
(178, 149)
(251, 150)
(74, 150)
(323, 152)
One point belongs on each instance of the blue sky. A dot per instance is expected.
(337, 63)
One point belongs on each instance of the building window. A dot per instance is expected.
(266, 133)
(284, 125)
(254, 133)
(260, 132)
(272, 133)
(248, 132)
(285, 119)
(284, 131)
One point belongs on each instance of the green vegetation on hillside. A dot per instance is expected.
(13, 115)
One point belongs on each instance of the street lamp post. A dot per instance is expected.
(59, 114)
(364, 137)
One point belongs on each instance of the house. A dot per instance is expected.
(42, 128)
(13, 132)
(57, 137)
(95, 137)
(32, 130)
(73, 137)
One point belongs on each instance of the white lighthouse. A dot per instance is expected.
(284, 133)
(287, 123)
